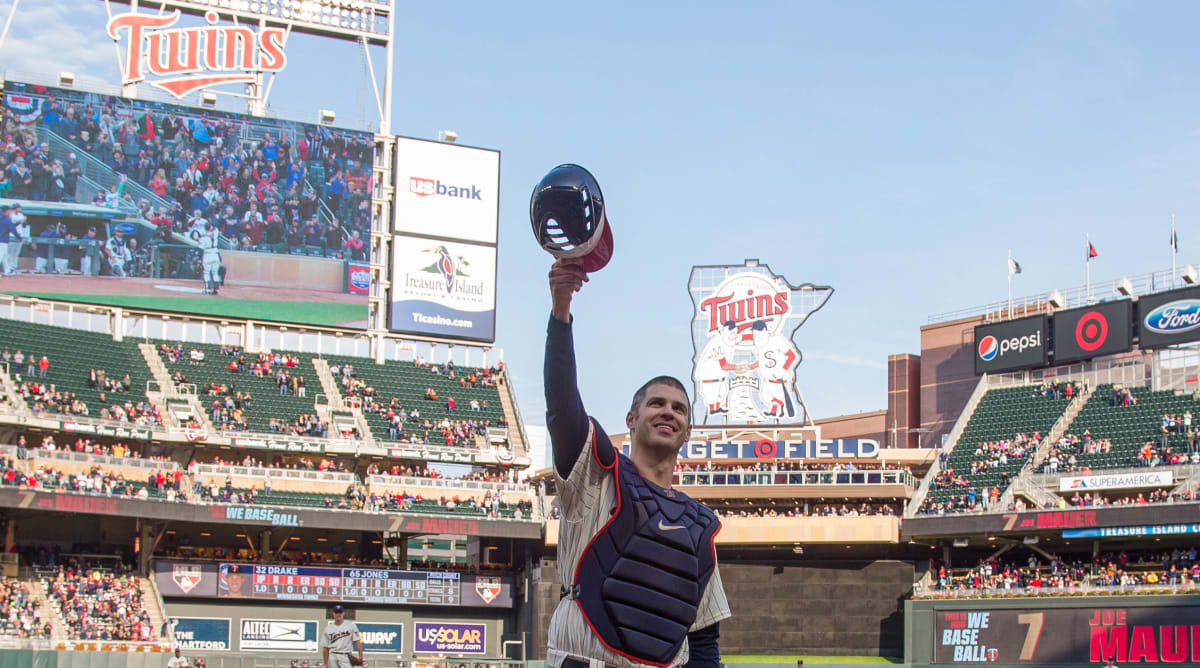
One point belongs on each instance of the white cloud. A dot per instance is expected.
(851, 360)
(49, 37)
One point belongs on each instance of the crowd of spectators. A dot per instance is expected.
(30, 365)
(1139, 499)
(755, 508)
(98, 604)
(1177, 566)
(43, 398)
(20, 616)
(1057, 389)
(262, 187)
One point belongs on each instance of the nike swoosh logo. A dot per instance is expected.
(669, 527)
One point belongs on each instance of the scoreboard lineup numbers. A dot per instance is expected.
(1164, 634)
(384, 586)
(351, 585)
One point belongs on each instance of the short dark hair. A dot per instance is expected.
(664, 380)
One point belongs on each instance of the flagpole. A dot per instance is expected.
(1009, 267)
(1174, 249)
(1088, 262)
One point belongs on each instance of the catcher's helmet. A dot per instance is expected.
(568, 216)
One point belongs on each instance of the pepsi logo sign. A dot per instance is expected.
(988, 347)
(1175, 317)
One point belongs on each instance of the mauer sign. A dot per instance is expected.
(967, 524)
(1035, 636)
(743, 323)
(182, 60)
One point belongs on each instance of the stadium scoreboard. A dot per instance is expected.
(351, 585)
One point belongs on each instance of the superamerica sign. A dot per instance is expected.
(184, 60)
(745, 361)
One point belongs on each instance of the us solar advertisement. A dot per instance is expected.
(1101, 329)
(1167, 318)
(1011, 345)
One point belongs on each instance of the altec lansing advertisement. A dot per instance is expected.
(1167, 318)
(1011, 345)
(443, 288)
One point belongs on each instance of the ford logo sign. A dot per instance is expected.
(1174, 317)
(360, 279)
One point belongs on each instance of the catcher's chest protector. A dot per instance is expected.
(640, 580)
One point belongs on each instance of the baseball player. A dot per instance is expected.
(177, 660)
(339, 639)
(627, 600)
(210, 259)
(117, 252)
(713, 367)
(777, 360)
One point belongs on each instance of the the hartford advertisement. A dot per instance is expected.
(444, 288)
(1079, 636)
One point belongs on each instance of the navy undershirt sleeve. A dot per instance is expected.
(704, 650)
(566, 419)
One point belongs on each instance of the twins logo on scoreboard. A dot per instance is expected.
(745, 361)
(187, 576)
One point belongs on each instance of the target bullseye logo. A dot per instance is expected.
(766, 449)
(1091, 331)
(988, 347)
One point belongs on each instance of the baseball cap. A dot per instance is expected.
(339, 608)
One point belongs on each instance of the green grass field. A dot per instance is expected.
(791, 659)
(312, 313)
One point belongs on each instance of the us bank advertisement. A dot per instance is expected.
(443, 288)
(447, 191)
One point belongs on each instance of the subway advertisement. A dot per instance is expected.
(1127, 634)
(1011, 345)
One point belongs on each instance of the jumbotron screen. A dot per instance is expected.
(117, 194)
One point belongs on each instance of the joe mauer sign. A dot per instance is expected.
(745, 361)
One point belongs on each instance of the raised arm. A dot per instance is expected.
(566, 419)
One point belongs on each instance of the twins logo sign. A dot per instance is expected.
(745, 362)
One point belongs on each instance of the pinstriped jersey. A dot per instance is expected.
(587, 498)
(340, 638)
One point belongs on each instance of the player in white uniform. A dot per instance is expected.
(587, 490)
(777, 360)
(210, 259)
(117, 252)
(339, 639)
(713, 367)
(177, 661)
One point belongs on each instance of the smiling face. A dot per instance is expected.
(659, 419)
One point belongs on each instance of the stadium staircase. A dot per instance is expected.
(96, 171)
(10, 392)
(179, 404)
(516, 437)
(1128, 427)
(407, 383)
(1060, 428)
(152, 603)
(1002, 413)
(918, 498)
(335, 410)
(47, 611)
(266, 402)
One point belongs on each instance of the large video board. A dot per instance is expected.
(444, 243)
(1092, 331)
(116, 188)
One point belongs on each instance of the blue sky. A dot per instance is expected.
(895, 151)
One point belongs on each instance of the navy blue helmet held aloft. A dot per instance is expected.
(568, 217)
